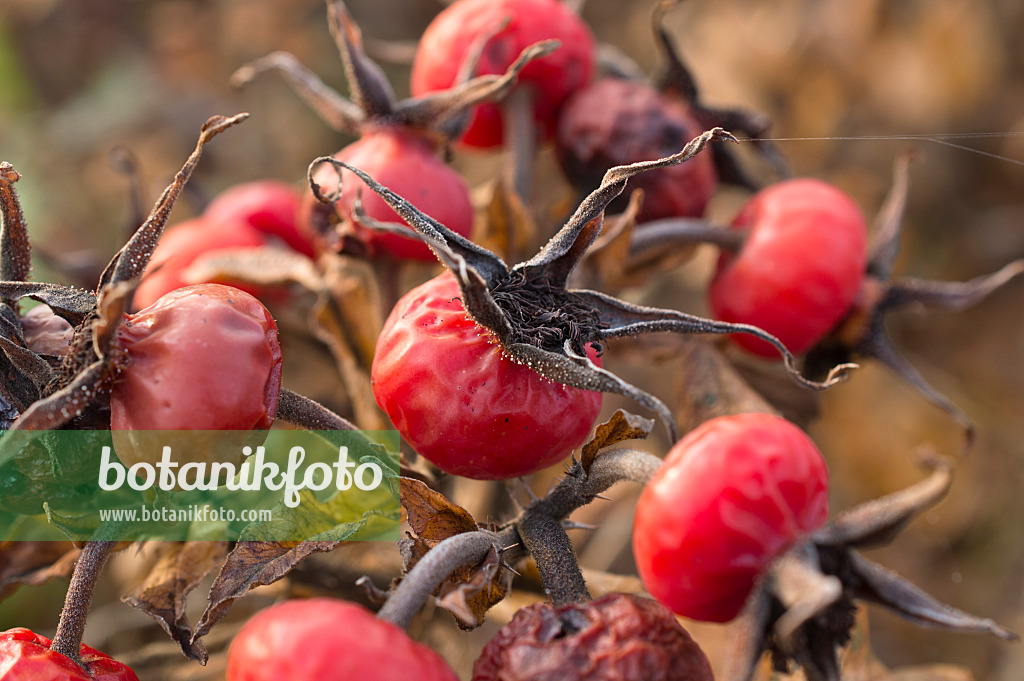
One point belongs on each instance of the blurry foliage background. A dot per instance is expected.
(79, 77)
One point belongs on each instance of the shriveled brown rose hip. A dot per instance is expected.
(620, 637)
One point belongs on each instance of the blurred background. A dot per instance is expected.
(80, 77)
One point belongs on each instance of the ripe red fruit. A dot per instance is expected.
(800, 268)
(179, 247)
(328, 640)
(615, 122)
(446, 43)
(269, 206)
(405, 162)
(461, 402)
(203, 357)
(26, 656)
(620, 636)
(730, 497)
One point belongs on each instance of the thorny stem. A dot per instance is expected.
(620, 465)
(545, 538)
(302, 411)
(538, 531)
(430, 572)
(68, 639)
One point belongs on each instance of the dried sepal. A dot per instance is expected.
(444, 112)
(442, 115)
(339, 113)
(878, 522)
(803, 609)
(878, 585)
(535, 319)
(130, 262)
(72, 304)
(676, 80)
(15, 248)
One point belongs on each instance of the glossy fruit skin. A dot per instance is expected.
(271, 207)
(729, 498)
(179, 247)
(449, 37)
(455, 396)
(614, 122)
(619, 637)
(203, 357)
(328, 640)
(801, 267)
(26, 656)
(406, 163)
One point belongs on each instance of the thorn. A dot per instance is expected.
(511, 546)
(603, 497)
(573, 525)
(510, 569)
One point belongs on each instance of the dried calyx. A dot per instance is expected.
(438, 118)
(442, 115)
(803, 611)
(494, 295)
(674, 81)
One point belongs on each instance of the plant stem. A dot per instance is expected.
(658, 234)
(545, 538)
(436, 566)
(68, 639)
(521, 139)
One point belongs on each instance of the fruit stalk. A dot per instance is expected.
(68, 639)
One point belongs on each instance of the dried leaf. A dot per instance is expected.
(472, 591)
(264, 266)
(251, 564)
(34, 562)
(164, 590)
(432, 517)
(509, 228)
(620, 427)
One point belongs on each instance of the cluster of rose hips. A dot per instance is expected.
(494, 372)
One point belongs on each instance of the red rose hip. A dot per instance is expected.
(729, 498)
(800, 268)
(329, 640)
(461, 402)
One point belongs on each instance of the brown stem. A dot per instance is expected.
(545, 538)
(521, 139)
(657, 234)
(68, 639)
(302, 411)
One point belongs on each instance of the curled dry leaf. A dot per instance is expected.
(471, 590)
(163, 592)
(33, 563)
(251, 564)
(620, 427)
